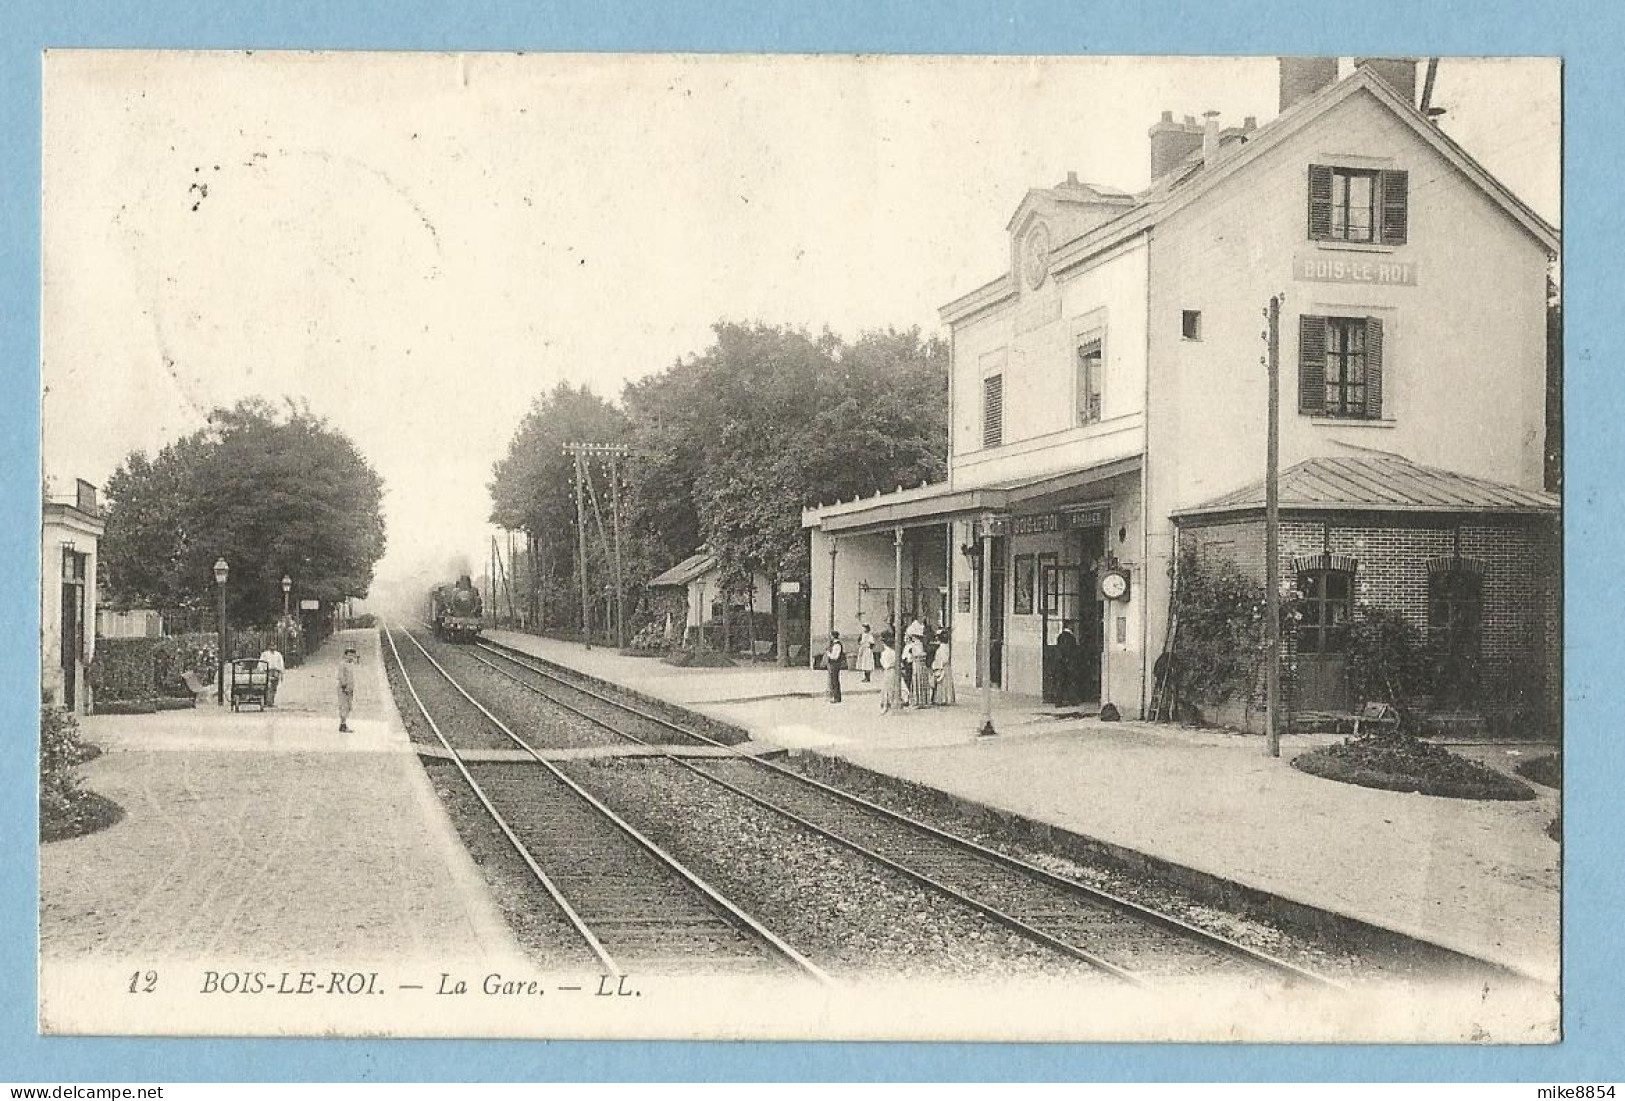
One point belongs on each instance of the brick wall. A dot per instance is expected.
(1522, 583)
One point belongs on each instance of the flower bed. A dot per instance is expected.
(1391, 763)
(1546, 771)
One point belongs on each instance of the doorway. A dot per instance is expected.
(1070, 619)
(1323, 638)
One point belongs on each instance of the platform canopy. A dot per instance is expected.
(935, 504)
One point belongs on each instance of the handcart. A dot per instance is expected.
(250, 681)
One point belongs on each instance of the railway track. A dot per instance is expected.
(632, 905)
(1113, 935)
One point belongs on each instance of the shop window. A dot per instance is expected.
(1190, 324)
(1328, 609)
(993, 410)
(1359, 205)
(1340, 367)
(1088, 383)
(1455, 611)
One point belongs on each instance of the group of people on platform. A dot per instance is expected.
(922, 675)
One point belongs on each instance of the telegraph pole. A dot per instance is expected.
(613, 452)
(581, 552)
(1272, 535)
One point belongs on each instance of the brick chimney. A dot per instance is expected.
(1399, 73)
(1302, 77)
(1172, 142)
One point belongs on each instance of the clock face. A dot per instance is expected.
(1035, 255)
(1113, 586)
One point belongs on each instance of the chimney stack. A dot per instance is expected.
(1399, 73)
(1172, 142)
(1302, 77)
(1210, 138)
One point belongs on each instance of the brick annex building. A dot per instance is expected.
(1108, 403)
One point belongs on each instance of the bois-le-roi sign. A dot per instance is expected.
(1381, 271)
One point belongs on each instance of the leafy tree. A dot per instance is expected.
(271, 493)
(533, 490)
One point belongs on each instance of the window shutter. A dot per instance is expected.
(1373, 367)
(1320, 202)
(1395, 186)
(1311, 365)
(993, 410)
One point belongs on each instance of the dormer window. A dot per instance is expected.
(1358, 205)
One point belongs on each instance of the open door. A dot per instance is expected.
(1070, 620)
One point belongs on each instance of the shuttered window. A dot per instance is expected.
(1340, 366)
(1087, 383)
(1361, 205)
(993, 410)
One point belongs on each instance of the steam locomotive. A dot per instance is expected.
(455, 610)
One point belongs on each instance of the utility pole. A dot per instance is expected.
(613, 452)
(581, 553)
(1272, 535)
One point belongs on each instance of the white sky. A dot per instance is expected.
(420, 244)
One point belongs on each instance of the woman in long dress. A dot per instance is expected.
(890, 683)
(866, 653)
(942, 673)
(919, 672)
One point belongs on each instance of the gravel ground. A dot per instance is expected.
(542, 931)
(931, 809)
(649, 730)
(847, 914)
(463, 726)
(541, 724)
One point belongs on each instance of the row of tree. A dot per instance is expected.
(727, 447)
(274, 492)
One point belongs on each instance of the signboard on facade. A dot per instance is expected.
(310, 605)
(1380, 271)
(789, 588)
(962, 597)
(1070, 520)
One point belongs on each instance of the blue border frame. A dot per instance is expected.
(1587, 35)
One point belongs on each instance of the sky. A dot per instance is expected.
(421, 244)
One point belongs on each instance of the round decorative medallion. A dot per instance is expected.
(1035, 255)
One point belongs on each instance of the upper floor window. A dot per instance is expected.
(1340, 366)
(1088, 382)
(1361, 205)
(993, 410)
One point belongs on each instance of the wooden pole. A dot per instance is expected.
(1272, 537)
(620, 582)
(581, 555)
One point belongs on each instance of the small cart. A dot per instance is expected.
(250, 680)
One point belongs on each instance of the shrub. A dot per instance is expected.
(1387, 659)
(1220, 650)
(60, 751)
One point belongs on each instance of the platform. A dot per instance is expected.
(268, 839)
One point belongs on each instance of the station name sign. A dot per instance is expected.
(1380, 271)
(1044, 522)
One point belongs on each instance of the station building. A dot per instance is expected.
(70, 532)
(1109, 397)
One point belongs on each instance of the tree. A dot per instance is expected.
(273, 494)
(1554, 386)
(533, 490)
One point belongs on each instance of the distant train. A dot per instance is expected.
(455, 610)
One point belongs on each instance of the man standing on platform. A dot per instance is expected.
(275, 666)
(347, 687)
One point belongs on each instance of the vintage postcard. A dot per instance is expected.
(801, 547)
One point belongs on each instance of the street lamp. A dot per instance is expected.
(287, 587)
(221, 570)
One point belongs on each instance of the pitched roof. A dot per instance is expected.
(1189, 181)
(687, 570)
(1379, 482)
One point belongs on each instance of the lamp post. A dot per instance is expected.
(287, 587)
(221, 571)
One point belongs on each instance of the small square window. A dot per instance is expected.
(1190, 324)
